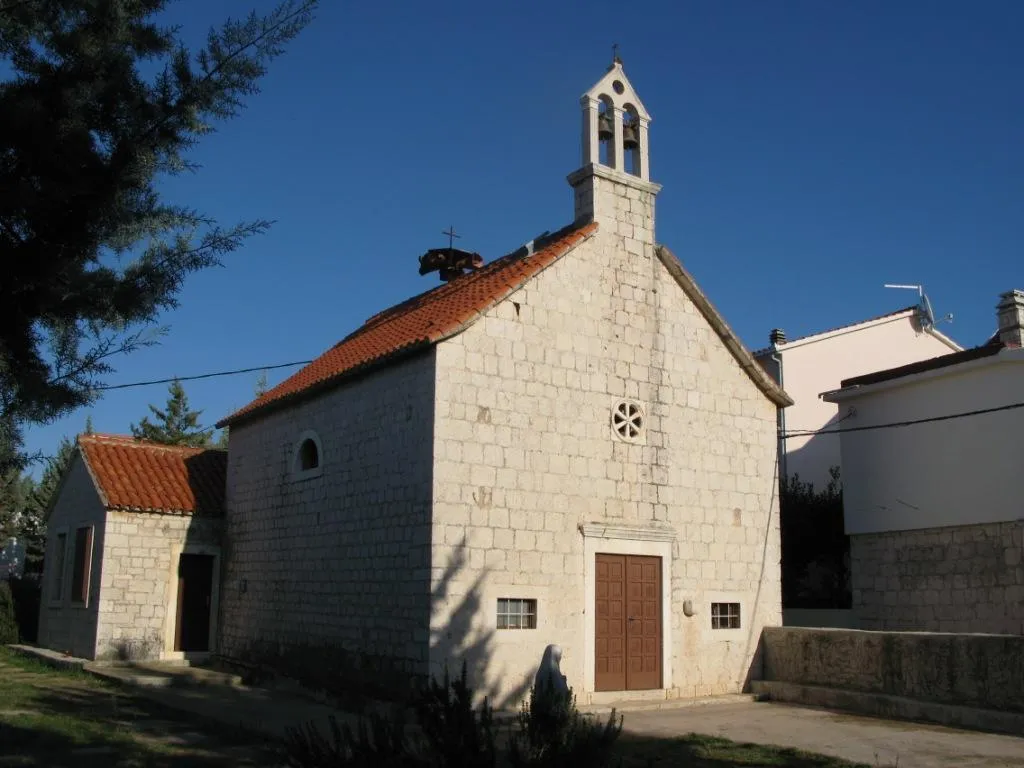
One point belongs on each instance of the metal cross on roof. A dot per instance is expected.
(615, 54)
(451, 235)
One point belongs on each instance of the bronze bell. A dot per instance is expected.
(605, 129)
(630, 140)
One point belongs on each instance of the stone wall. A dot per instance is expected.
(956, 579)
(985, 671)
(140, 579)
(65, 626)
(526, 455)
(328, 574)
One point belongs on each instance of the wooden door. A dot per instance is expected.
(627, 623)
(195, 595)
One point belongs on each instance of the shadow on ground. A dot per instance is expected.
(88, 726)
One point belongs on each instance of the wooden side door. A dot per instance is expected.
(195, 596)
(643, 622)
(627, 623)
(610, 623)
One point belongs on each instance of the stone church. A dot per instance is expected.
(565, 445)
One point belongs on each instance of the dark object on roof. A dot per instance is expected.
(450, 262)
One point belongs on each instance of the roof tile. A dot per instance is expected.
(423, 320)
(141, 476)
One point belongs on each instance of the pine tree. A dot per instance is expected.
(100, 103)
(177, 424)
(261, 385)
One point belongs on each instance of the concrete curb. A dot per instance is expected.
(53, 659)
(627, 706)
(892, 707)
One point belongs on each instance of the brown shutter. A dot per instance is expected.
(82, 566)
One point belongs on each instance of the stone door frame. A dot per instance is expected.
(171, 601)
(625, 540)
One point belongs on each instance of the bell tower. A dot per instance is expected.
(614, 185)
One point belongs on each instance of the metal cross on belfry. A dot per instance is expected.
(615, 54)
(451, 236)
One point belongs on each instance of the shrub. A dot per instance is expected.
(450, 734)
(553, 733)
(8, 621)
(377, 742)
(455, 735)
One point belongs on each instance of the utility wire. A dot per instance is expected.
(782, 435)
(201, 376)
(890, 425)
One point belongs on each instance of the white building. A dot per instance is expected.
(813, 364)
(932, 466)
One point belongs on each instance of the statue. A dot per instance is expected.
(549, 675)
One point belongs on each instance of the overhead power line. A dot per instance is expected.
(909, 423)
(108, 387)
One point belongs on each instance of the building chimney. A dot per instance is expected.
(777, 337)
(1011, 318)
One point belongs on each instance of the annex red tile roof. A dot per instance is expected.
(141, 476)
(422, 320)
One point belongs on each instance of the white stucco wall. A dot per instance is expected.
(328, 574)
(64, 626)
(947, 473)
(525, 455)
(818, 364)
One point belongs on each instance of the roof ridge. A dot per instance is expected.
(135, 442)
(425, 319)
(524, 251)
(894, 313)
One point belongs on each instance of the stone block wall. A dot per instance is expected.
(328, 575)
(955, 579)
(525, 455)
(985, 671)
(65, 626)
(140, 580)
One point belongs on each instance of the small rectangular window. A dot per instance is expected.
(517, 614)
(82, 565)
(57, 578)
(725, 615)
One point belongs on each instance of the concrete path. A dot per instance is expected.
(871, 741)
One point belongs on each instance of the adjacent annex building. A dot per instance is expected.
(133, 551)
(932, 487)
(809, 365)
(564, 445)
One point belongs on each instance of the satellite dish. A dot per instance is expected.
(925, 310)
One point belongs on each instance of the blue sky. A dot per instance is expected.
(809, 151)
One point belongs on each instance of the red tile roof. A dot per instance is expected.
(421, 321)
(141, 476)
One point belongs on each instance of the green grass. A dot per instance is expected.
(698, 751)
(51, 717)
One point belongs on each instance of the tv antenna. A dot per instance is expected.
(924, 306)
